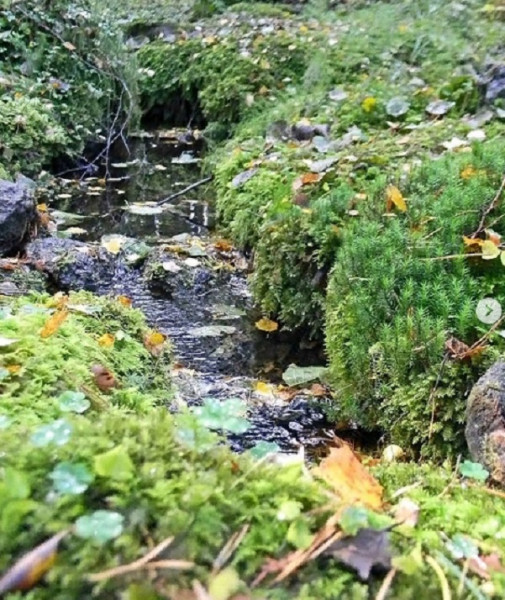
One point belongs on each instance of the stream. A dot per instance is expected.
(190, 285)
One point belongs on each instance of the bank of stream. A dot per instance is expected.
(117, 238)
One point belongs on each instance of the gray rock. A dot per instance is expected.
(485, 421)
(18, 216)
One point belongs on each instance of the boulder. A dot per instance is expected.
(485, 421)
(18, 216)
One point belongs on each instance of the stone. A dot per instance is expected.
(18, 216)
(485, 421)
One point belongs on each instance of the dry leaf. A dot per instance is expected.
(54, 322)
(263, 389)
(42, 207)
(104, 379)
(267, 325)
(469, 242)
(492, 236)
(29, 569)
(154, 342)
(124, 300)
(349, 478)
(223, 245)
(69, 46)
(395, 198)
(305, 179)
(407, 512)
(490, 250)
(106, 340)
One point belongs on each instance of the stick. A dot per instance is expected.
(386, 584)
(490, 208)
(185, 190)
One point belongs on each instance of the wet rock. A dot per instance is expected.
(495, 84)
(485, 426)
(18, 216)
(73, 265)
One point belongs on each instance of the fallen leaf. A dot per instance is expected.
(104, 379)
(124, 300)
(223, 245)
(493, 236)
(69, 46)
(295, 375)
(54, 322)
(154, 342)
(106, 340)
(267, 325)
(407, 512)
(263, 389)
(349, 478)
(369, 548)
(392, 453)
(305, 179)
(469, 242)
(31, 567)
(468, 172)
(369, 104)
(395, 198)
(489, 250)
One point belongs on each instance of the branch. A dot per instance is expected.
(185, 190)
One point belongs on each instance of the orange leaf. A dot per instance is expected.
(395, 198)
(124, 300)
(267, 325)
(54, 322)
(306, 179)
(349, 478)
(472, 241)
(223, 245)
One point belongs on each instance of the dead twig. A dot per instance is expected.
(432, 398)
(185, 190)
(490, 208)
(386, 584)
(145, 562)
(453, 478)
(229, 548)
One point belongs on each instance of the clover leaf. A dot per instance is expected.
(73, 402)
(223, 414)
(473, 470)
(100, 526)
(58, 432)
(71, 478)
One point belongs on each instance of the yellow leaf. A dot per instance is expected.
(113, 245)
(369, 103)
(472, 241)
(53, 323)
(106, 340)
(468, 172)
(395, 198)
(489, 250)
(502, 258)
(349, 479)
(13, 369)
(265, 324)
(154, 342)
(42, 207)
(263, 389)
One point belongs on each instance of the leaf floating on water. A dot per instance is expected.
(100, 527)
(31, 567)
(395, 198)
(124, 300)
(295, 375)
(267, 325)
(349, 478)
(369, 548)
(54, 322)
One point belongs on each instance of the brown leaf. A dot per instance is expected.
(459, 350)
(223, 245)
(31, 567)
(362, 552)
(305, 179)
(124, 300)
(349, 478)
(104, 379)
(54, 322)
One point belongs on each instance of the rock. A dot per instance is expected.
(485, 421)
(18, 216)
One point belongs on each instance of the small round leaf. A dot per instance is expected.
(71, 478)
(397, 107)
(101, 526)
(73, 402)
(58, 432)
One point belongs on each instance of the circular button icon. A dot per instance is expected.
(488, 310)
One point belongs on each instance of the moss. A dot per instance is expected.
(393, 304)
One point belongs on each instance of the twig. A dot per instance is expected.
(490, 208)
(444, 584)
(229, 548)
(135, 565)
(453, 478)
(386, 584)
(185, 190)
